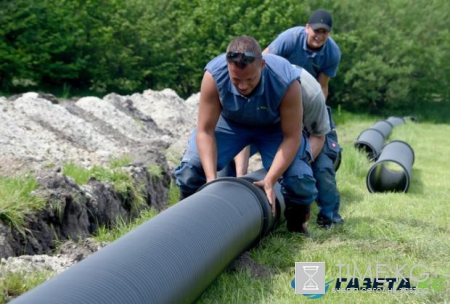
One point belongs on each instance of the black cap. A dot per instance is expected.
(320, 19)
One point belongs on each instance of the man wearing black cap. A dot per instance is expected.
(312, 48)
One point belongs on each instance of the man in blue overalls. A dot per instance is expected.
(247, 98)
(312, 48)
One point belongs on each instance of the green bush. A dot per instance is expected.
(394, 55)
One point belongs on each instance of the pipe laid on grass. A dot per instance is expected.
(173, 257)
(395, 121)
(384, 127)
(370, 141)
(392, 171)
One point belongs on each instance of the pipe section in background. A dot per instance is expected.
(173, 257)
(384, 127)
(370, 141)
(395, 121)
(392, 171)
(411, 118)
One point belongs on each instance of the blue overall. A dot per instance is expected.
(254, 121)
(328, 198)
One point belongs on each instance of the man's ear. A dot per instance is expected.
(308, 28)
(263, 64)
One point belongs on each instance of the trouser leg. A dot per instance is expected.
(297, 183)
(328, 198)
(230, 139)
(297, 215)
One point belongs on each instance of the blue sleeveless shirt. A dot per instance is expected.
(262, 107)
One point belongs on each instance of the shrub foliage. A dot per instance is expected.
(395, 54)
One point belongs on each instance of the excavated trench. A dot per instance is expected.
(39, 134)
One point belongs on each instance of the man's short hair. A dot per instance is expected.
(243, 50)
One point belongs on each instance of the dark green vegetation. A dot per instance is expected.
(395, 54)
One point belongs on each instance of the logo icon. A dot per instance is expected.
(314, 296)
(309, 278)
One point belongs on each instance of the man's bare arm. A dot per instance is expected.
(242, 160)
(323, 80)
(316, 143)
(291, 112)
(209, 111)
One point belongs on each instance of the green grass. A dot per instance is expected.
(155, 170)
(122, 227)
(381, 228)
(111, 173)
(17, 199)
(13, 284)
(16, 202)
(385, 228)
(114, 174)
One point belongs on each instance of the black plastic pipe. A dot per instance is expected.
(395, 121)
(173, 257)
(392, 171)
(384, 127)
(370, 141)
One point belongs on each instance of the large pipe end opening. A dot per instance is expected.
(368, 149)
(371, 142)
(269, 221)
(388, 176)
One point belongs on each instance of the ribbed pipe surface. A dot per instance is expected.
(171, 258)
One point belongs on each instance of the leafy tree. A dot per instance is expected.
(394, 54)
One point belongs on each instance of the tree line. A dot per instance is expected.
(395, 54)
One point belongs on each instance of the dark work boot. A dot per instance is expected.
(337, 219)
(324, 222)
(296, 217)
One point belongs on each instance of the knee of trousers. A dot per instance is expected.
(325, 177)
(328, 200)
(322, 162)
(328, 194)
(300, 189)
(189, 177)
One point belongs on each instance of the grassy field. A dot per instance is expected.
(384, 228)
